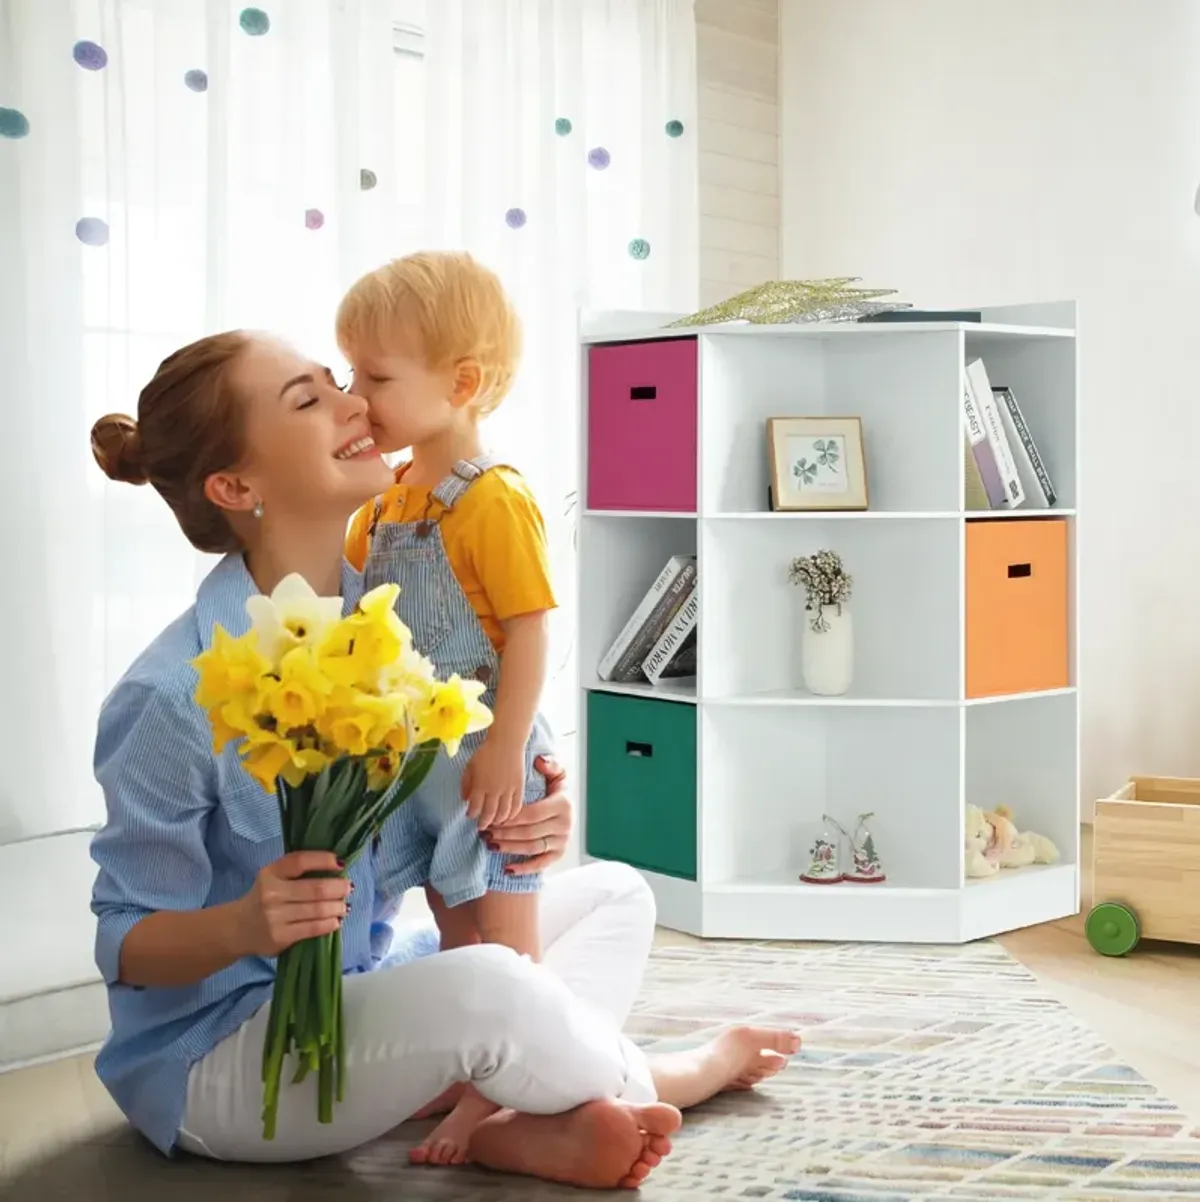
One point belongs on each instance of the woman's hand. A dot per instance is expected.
(283, 909)
(540, 830)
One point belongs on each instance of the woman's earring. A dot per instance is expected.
(258, 509)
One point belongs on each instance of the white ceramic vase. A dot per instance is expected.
(827, 656)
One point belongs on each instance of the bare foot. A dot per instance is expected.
(601, 1145)
(447, 1143)
(738, 1058)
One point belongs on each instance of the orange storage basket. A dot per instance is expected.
(1017, 606)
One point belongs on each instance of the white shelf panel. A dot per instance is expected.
(1020, 877)
(672, 690)
(983, 331)
(783, 885)
(990, 515)
(799, 697)
(638, 513)
(1017, 698)
(887, 913)
(1017, 898)
(903, 515)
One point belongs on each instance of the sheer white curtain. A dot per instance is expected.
(562, 152)
(185, 166)
(169, 168)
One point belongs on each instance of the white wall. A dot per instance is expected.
(1013, 150)
(737, 46)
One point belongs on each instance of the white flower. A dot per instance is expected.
(410, 674)
(292, 616)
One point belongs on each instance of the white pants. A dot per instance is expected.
(537, 1038)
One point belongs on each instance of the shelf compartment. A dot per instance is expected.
(1025, 756)
(905, 606)
(642, 425)
(768, 776)
(1042, 375)
(619, 559)
(641, 783)
(1018, 599)
(906, 390)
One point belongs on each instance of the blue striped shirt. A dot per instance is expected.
(186, 830)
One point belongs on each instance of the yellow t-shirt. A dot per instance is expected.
(494, 537)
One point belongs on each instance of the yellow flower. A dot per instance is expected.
(298, 698)
(292, 705)
(223, 732)
(381, 771)
(292, 616)
(242, 712)
(350, 731)
(267, 755)
(356, 650)
(229, 668)
(306, 762)
(452, 710)
(265, 758)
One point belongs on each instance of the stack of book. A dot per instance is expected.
(1003, 467)
(659, 641)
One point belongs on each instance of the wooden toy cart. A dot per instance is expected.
(1146, 865)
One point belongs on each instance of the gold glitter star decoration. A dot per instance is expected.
(781, 302)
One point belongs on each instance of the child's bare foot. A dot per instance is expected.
(447, 1142)
(738, 1058)
(601, 1145)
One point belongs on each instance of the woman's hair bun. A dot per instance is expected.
(117, 448)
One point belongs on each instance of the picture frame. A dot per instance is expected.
(817, 463)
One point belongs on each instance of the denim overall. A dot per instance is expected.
(431, 839)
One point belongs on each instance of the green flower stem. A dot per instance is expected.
(277, 1035)
(334, 811)
(339, 1010)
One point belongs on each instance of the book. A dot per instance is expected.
(989, 411)
(974, 493)
(629, 667)
(975, 315)
(1032, 470)
(623, 660)
(981, 449)
(660, 663)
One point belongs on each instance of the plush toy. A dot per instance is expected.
(979, 839)
(1018, 849)
(993, 842)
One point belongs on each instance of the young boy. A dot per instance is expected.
(434, 343)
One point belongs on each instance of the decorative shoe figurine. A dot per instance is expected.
(825, 859)
(867, 869)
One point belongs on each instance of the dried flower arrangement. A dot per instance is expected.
(825, 581)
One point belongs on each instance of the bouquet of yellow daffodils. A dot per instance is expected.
(341, 718)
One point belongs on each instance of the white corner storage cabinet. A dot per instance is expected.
(715, 787)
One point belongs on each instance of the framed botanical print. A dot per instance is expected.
(816, 463)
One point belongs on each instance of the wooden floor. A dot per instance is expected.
(1146, 1006)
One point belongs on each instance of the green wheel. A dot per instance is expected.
(1112, 929)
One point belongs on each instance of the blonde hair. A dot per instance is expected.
(456, 307)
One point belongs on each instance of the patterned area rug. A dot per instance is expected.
(926, 1073)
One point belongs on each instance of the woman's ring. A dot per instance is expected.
(545, 845)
